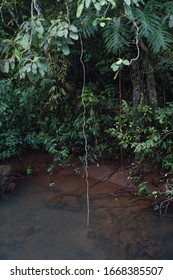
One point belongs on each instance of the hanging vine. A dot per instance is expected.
(84, 131)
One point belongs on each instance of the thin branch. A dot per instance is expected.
(168, 133)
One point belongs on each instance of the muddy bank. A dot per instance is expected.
(45, 217)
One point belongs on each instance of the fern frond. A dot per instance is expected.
(152, 25)
(168, 7)
(85, 23)
(160, 40)
(147, 22)
(116, 38)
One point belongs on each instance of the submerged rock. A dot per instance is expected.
(5, 170)
(156, 206)
(67, 201)
(7, 184)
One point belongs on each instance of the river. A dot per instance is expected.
(42, 222)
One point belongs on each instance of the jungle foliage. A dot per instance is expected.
(126, 48)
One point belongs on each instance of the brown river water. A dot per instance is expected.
(42, 222)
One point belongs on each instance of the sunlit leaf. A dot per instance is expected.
(74, 36)
(97, 6)
(126, 62)
(80, 9)
(114, 67)
(87, 3)
(128, 2)
(17, 54)
(102, 24)
(73, 28)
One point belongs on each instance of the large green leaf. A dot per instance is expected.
(87, 3)
(115, 67)
(66, 50)
(97, 6)
(17, 54)
(6, 66)
(74, 36)
(73, 28)
(128, 2)
(34, 68)
(25, 41)
(80, 9)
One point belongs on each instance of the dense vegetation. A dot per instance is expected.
(110, 60)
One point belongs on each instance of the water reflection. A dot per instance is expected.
(39, 223)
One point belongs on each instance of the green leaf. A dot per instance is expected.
(102, 24)
(80, 9)
(69, 41)
(12, 64)
(74, 36)
(34, 69)
(95, 22)
(97, 6)
(119, 62)
(59, 44)
(25, 41)
(73, 28)
(42, 66)
(39, 28)
(53, 31)
(60, 33)
(28, 67)
(65, 33)
(128, 2)
(128, 11)
(87, 3)
(17, 54)
(126, 62)
(115, 67)
(113, 3)
(171, 21)
(31, 77)
(66, 50)
(6, 66)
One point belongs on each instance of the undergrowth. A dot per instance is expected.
(40, 117)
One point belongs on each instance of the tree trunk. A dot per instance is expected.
(148, 70)
(151, 85)
(136, 81)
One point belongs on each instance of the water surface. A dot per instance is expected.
(37, 222)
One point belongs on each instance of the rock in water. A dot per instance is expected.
(5, 170)
(7, 184)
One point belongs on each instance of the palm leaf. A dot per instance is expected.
(116, 38)
(160, 40)
(147, 22)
